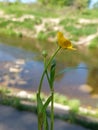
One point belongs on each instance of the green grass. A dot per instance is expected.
(94, 43)
(46, 11)
(69, 20)
(71, 27)
(4, 91)
(74, 105)
(9, 32)
(7, 98)
(14, 24)
(60, 99)
(33, 9)
(89, 13)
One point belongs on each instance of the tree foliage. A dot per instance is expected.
(76, 3)
(95, 6)
(79, 4)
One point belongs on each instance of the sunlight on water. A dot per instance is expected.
(22, 69)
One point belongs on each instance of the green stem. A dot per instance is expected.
(40, 85)
(52, 109)
(39, 124)
(46, 71)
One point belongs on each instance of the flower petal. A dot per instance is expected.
(64, 42)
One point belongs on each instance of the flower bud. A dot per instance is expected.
(44, 53)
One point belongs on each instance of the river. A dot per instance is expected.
(21, 65)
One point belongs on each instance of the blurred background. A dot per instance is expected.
(27, 27)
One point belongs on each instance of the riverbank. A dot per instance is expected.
(38, 22)
(15, 24)
(26, 101)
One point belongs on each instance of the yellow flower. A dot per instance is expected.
(63, 42)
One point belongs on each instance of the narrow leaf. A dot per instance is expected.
(52, 72)
(46, 103)
(39, 103)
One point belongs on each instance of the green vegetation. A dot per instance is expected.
(76, 3)
(94, 43)
(43, 22)
(4, 91)
(60, 99)
(74, 105)
(36, 21)
(7, 98)
(22, 9)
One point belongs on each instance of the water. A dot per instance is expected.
(22, 68)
